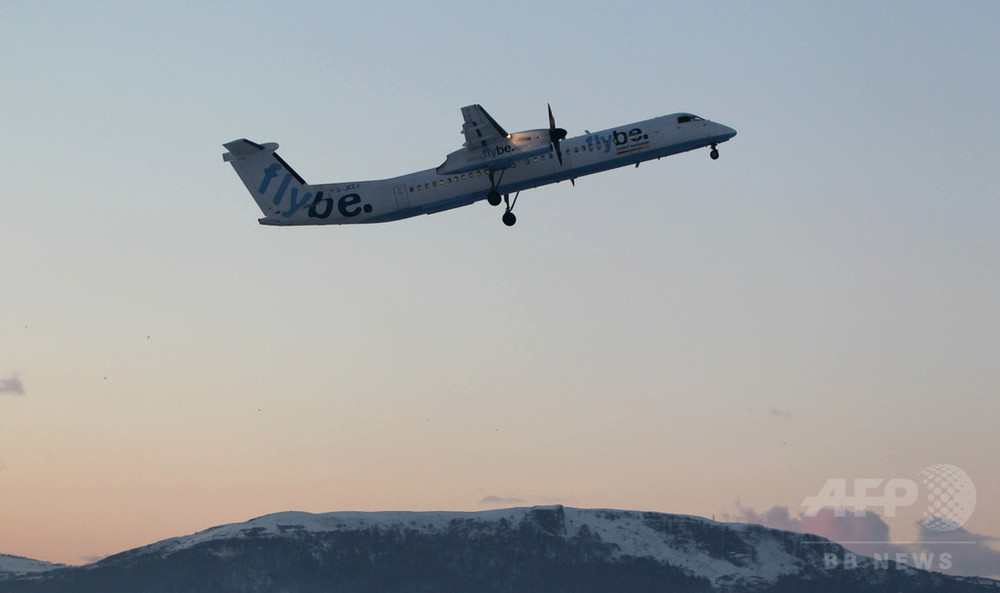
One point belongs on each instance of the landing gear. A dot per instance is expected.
(494, 198)
(508, 217)
(715, 152)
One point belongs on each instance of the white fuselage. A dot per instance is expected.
(427, 192)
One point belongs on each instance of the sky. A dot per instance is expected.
(716, 338)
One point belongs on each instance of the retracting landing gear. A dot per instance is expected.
(715, 152)
(493, 197)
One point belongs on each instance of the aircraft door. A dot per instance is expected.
(402, 199)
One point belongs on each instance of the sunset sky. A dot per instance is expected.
(692, 336)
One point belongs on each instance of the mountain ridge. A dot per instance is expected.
(525, 549)
(19, 566)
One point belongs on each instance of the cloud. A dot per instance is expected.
(12, 385)
(492, 499)
(869, 529)
(971, 554)
(772, 411)
(957, 552)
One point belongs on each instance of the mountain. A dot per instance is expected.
(13, 566)
(521, 550)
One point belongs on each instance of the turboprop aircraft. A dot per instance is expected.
(491, 165)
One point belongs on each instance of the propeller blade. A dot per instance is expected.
(555, 134)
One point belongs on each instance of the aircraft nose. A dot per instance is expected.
(722, 133)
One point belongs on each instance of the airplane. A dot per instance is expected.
(491, 165)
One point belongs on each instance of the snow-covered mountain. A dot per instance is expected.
(518, 550)
(12, 566)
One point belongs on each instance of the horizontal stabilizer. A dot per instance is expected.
(244, 147)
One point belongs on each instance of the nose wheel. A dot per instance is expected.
(715, 153)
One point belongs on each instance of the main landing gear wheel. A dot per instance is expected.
(508, 217)
(493, 197)
(715, 153)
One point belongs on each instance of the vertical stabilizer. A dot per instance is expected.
(278, 190)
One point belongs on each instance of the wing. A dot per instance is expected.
(479, 128)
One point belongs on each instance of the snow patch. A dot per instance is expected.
(19, 566)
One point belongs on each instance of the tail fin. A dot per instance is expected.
(273, 184)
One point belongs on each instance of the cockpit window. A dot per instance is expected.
(687, 118)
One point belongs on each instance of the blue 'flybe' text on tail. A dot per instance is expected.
(277, 188)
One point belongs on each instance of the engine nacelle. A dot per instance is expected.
(497, 155)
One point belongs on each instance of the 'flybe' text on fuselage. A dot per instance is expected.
(623, 142)
(348, 205)
(490, 152)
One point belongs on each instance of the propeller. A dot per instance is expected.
(555, 135)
